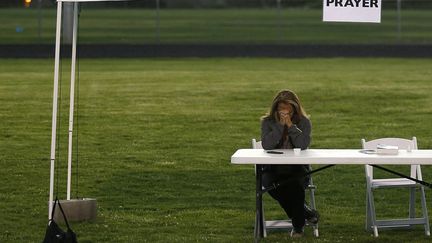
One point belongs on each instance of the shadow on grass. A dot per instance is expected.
(172, 189)
(177, 205)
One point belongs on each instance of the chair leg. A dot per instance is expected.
(263, 221)
(313, 206)
(315, 231)
(375, 230)
(424, 211)
(372, 213)
(368, 223)
(412, 203)
(312, 199)
(256, 230)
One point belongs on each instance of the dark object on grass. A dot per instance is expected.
(55, 234)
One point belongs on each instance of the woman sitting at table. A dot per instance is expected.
(287, 126)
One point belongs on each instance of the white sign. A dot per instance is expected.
(352, 11)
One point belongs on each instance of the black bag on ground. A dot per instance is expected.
(55, 234)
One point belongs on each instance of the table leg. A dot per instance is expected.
(259, 227)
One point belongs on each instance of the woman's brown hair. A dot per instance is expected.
(287, 97)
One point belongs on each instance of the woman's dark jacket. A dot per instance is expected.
(299, 136)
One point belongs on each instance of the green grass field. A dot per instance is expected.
(253, 26)
(156, 136)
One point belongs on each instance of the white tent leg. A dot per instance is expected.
(72, 96)
(55, 99)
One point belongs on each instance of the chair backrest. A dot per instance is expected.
(256, 144)
(402, 143)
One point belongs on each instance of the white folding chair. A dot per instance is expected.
(371, 183)
(286, 224)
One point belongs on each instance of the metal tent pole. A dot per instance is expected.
(74, 206)
(72, 96)
(55, 100)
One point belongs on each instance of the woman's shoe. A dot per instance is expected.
(297, 233)
(311, 215)
(312, 220)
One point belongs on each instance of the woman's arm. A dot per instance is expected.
(271, 133)
(300, 134)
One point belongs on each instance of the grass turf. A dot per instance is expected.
(254, 26)
(156, 136)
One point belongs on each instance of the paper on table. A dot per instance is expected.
(387, 149)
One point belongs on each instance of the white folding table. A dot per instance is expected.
(260, 157)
